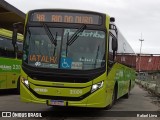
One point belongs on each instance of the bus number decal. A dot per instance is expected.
(75, 91)
(16, 67)
(40, 17)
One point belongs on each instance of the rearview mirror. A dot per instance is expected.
(113, 27)
(112, 19)
(16, 28)
(114, 44)
(14, 36)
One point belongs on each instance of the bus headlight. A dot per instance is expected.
(97, 86)
(25, 82)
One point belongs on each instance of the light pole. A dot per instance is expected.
(141, 40)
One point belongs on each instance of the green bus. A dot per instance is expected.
(10, 63)
(74, 58)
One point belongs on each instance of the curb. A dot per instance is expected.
(152, 87)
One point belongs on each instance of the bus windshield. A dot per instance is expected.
(86, 51)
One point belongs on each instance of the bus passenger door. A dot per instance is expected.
(3, 71)
(113, 46)
(13, 74)
(11, 80)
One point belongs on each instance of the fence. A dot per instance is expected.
(151, 81)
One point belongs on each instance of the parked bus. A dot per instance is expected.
(74, 58)
(10, 62)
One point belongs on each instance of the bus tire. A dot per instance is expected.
(114, 98)
(126, 96)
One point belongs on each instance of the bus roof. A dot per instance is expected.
(8, 34)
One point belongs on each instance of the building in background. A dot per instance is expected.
(149, 66)
(148, 63)
(9, 15)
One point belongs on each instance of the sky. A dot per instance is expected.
(136, 19)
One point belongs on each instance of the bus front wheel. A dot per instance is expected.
(126, 96)
(114, 98)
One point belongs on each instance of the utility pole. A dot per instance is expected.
(141, 40)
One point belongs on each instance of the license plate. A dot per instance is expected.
(57, 102)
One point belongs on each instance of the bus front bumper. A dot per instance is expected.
(97, 99)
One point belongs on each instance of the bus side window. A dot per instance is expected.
(110, 62)
(6, 48)
(112, 50)
(19, 52)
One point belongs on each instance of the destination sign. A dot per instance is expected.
(66, 17)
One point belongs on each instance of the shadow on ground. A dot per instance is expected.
(8, 92)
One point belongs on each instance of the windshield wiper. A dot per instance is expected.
(97, 53)
(47, 30)
(55, 45)
(75, 35)
(52, 39)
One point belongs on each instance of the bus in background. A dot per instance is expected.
(74, 58)
(10, 61)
